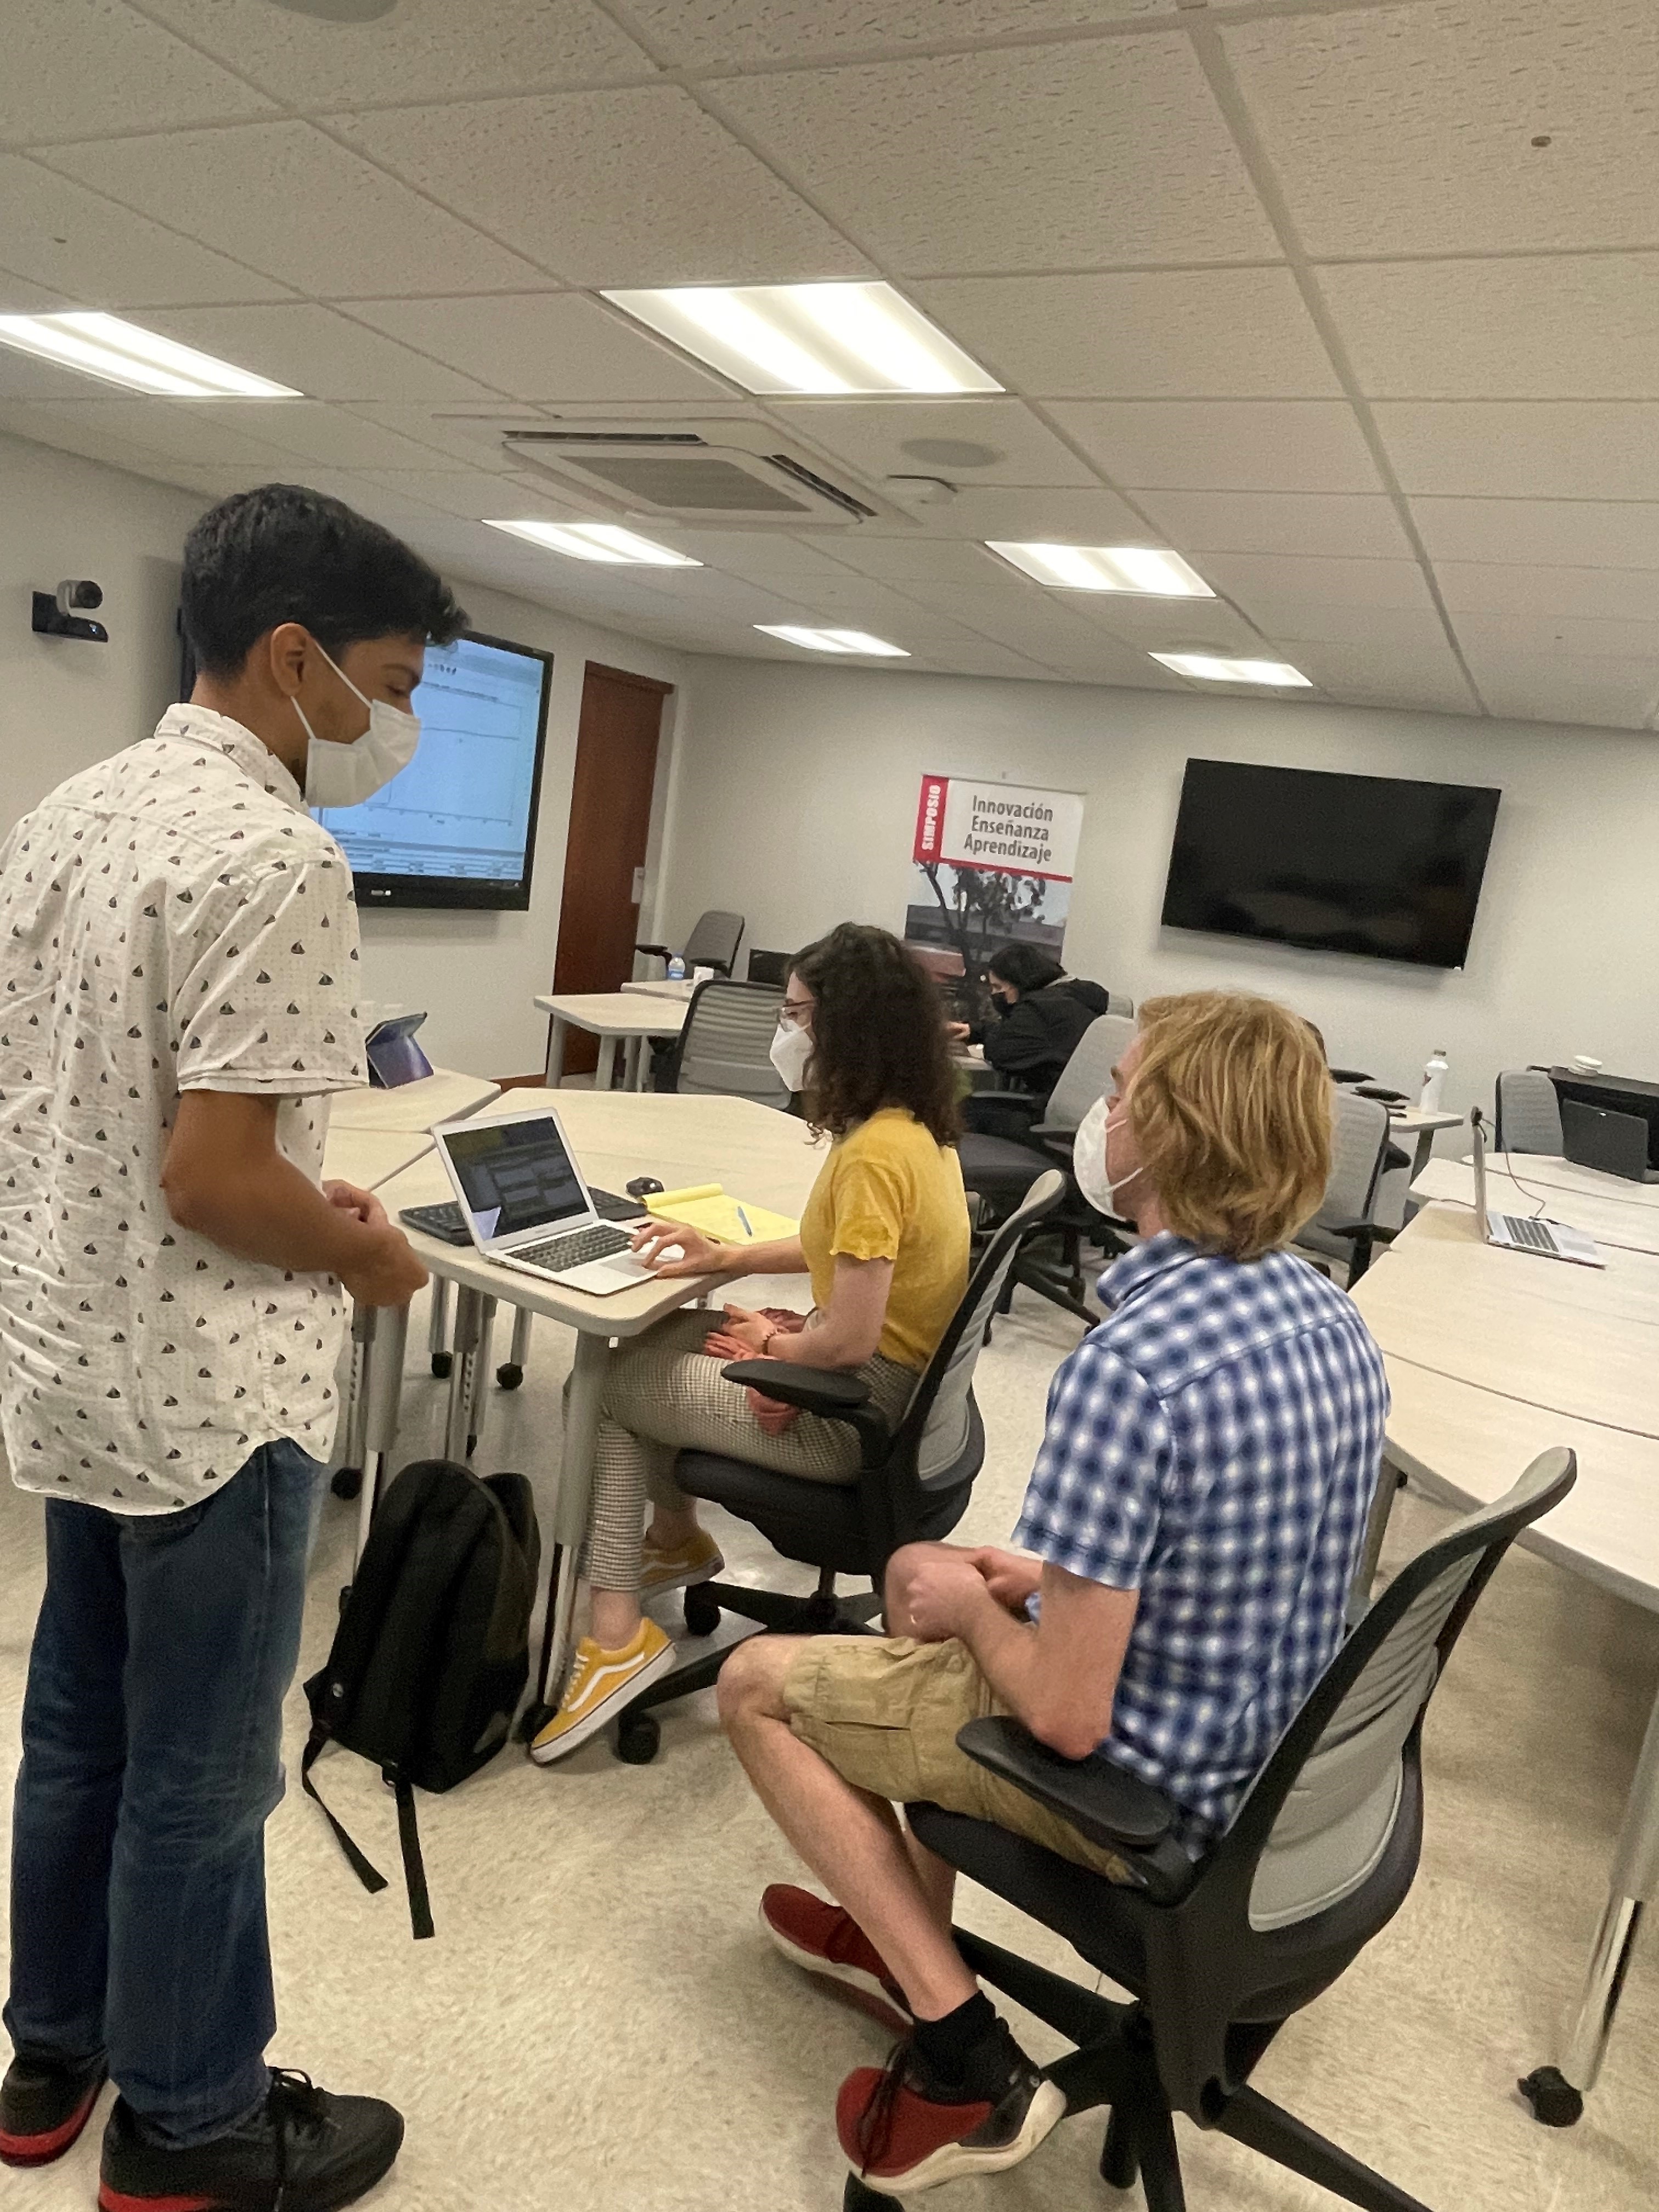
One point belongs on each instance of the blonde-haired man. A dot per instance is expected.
(1190, 1528)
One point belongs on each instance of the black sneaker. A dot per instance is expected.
(903, 2130)
(43, 2104)
(303, 2150)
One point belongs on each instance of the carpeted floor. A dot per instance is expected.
(599, 2028)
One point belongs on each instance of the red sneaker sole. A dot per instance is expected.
(955, 2162)
(41, 2149)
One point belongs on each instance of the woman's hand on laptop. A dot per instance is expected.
(669, 1248)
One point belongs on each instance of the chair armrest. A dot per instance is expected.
(831, 1393)
(1101, 1801)
(1055, 1132)
(662, 951)
(1372, 1233)
(1006, 1098)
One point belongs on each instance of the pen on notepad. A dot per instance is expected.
(748, 1226)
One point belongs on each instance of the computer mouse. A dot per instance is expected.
(643, 1187)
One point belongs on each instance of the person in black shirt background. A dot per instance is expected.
(1040, 1015)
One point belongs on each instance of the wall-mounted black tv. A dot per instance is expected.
(457, 827)
(1373, 864)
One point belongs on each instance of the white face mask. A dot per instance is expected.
(1089, 1160)
(346, 775)
(791, 1055)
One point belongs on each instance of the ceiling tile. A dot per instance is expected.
(472, 496)
(1208, 445)
(1537, 688)
(1409, 129)
(1428, 680)
(1200, 333)
(310, 431)
(1060, 516)
(89, 252)
(74, 68)
(543, 345)
(1353, 525)
(1523, 449)
(436, 50)
(766, 557)
(1612, 595)
(612, 188)
(25, 376)
(904, 560)
(318, 352)
(1554, 327)
(1166, 625)
(1579, 534)
(157, 426)
(696, 33)
(288, 200)
(1104, 660)
(73, 430)
(1290, 621)
(19, 296)
(470, 434)
(1277, 576)
(1571, 635)
(875, 435)
(1073, 156)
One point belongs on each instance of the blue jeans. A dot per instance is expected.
(152, 1733)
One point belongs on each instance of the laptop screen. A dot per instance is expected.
(515, 1174)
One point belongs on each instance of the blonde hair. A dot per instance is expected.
(1231, 1106)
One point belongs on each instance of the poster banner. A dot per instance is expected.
(993, 864)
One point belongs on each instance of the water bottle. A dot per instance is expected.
(1434, 1081)
(676, 968)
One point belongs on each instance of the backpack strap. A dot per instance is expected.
(409, 1838)
(370, 1876)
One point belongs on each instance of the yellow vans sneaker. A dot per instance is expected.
(601, 1684)
(697, 1560)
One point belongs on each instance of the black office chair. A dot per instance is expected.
(713, 942)
(1218, 1953)
(913, 1481)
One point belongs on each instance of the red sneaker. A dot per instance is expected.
(43, 2104)
(826, 1941)
(903, 2130)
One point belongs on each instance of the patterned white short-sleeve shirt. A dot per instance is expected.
(170, 919)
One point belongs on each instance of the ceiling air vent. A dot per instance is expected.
(745, 473)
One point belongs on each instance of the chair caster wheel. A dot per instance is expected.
(347, 1482)
(345, 1596)
(441, 1364)
(509, 1375)
(702, 1613)
(1553, 2097)
(637, 1738)
(1120, 2168)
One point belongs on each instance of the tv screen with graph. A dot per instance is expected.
(457, 827)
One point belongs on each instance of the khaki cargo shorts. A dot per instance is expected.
(884, 1713)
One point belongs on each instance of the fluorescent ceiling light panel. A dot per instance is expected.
(1212, 669)
(598, 541)
(120, 353)
(829, 338)
(833, 641)
(1145, 568)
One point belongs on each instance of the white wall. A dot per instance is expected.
(64, 705)
(795, 800)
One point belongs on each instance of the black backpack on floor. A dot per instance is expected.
(433, 1650)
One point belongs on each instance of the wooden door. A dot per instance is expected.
(604, 851)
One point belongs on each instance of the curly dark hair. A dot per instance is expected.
(877, 1034)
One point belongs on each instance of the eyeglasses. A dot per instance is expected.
(795, 1013)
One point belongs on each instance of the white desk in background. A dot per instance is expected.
(756, 1152)
(443, 1096)
(369, 1157)
(1416, 1121)
(665, 986)
(1484, 1347)
(611, 1016)
(1611, 1219)
(1548, 1171)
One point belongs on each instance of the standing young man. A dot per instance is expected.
(1192, 1526)
(179, 948)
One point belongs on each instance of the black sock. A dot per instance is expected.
(944, 2045)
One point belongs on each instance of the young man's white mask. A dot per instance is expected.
(346, 775)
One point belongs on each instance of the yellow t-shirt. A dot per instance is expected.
(888, 1192)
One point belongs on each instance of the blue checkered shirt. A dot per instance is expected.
(1213, 1444)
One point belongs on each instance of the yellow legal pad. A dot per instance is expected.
(705, 1205)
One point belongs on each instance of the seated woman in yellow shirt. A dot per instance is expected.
(884, 1240)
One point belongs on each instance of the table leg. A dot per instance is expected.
(581, 1430)
(633, 1053)
(1424, 1153)
(437, 1336)
(469, 1319)
(556, 1029)
(475, 1403)
(607, 1077)
(1557, 2094)
(510, 1376)
(384, 1349)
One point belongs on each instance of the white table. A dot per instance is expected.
(1493, 1358)
(1416, 1121)
(611, 1016)
(369, 1157)
(665, 986)
(443, 1096)
(753, 1150)
(1613, 1221)
(1549, 1171)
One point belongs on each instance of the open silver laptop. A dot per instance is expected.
(1520, 1232)
(524, 1202)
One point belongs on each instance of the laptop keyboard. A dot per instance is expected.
(581, 1245)
(1532, 1234)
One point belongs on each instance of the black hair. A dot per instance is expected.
(877, 1034)
(286, 554)
(1027, 967)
